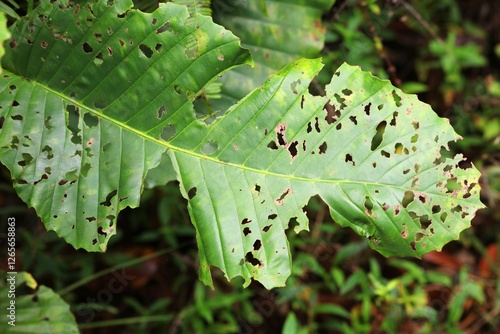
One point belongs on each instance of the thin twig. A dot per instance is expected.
(421, 20)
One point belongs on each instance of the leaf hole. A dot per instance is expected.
(323, 147)
(346, 92)
(43, 177)
(408, 197)
(245, 221)
(425, 222)
(414, 182)
(164, 28)
(465, 164)
(379, 135)
(331, 113)
(87, 48)
(210, 147)
(266, 228)
(192, 192)
(98, 37)
(422, 198)
(293, 85)
(340, 100)
(90, 120)
(436, 209)
(417, 168)
(146, 50)
(367, 109)
(394, 118)
(109, 197)
(418, 236)
(368, 205)
(452, 185)
(280, 134)
(398, 149)
(457, 208)
(309, 127)
(272, 145)
(168, 132)
(385, 154)
(292, 148)
(251, 259)
(100, 231)
(397, 98)
(293, 223)
(247, 231)
(280, 200)
(14, 142)
(161, 111)
(348, 158)
(397, 210)
(99, 105)
(85, 169)
(272, 216)
(404, 233)
(316, 125)
(257, 244)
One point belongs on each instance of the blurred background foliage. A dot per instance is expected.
(447, 52)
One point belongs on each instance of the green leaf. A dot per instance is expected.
(89, 95)
(291, 324)
(276, 33)
(332, 309)
(94, 94)
(4, 35)
(41, 311)
(372, 153)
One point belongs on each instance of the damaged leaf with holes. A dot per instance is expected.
(38, 309)
(94, 94)
(91, 92)
(376, 156)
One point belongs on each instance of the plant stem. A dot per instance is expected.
(126, 321)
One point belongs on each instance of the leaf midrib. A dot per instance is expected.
(206, 157)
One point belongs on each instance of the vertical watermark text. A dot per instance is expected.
(11, 274)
